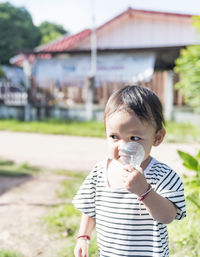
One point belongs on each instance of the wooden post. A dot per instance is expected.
(90, 98)
(28, 73)
(169, 94)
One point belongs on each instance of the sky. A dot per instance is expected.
(76, 15)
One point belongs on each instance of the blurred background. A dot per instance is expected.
(64, 59)
(59, 63)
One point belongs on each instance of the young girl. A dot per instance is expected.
(130, 207)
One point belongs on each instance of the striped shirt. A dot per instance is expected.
(124, 226)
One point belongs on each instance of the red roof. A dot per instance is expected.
(19, 59)
(64, 43)
(58, 45)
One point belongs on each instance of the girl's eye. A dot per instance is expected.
(134, 138)
(114, 137)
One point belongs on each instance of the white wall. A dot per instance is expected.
(145, 30)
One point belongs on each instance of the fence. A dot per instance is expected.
(12, 94)
(69, 95)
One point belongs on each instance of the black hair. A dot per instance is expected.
(143, 101)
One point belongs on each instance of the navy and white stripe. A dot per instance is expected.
(124, 226)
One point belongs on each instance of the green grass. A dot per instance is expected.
(71, 185)
(176, 132)
(184, 235)
(7, 253)
(182, 132)
(55, 126)
(11, 169)
(65, 221)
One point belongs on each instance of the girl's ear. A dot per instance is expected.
(160, 134)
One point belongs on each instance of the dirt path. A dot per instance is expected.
(23, 203)
(75, 153)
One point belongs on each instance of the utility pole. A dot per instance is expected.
(28, 72)
(91, 79)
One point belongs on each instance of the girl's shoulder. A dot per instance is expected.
(158, 170)
(98, 168)
(100, 165)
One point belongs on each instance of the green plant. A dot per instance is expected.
(187, 66)
(184, 234)
(192, 182)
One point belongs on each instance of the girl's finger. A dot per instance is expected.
(129, 168)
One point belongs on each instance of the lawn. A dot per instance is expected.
(56, 126)
(10, 169)
(176, 132)
(7, 253)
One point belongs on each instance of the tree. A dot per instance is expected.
(50, 31)
(188, 67)
(17, 31)
(2, 73)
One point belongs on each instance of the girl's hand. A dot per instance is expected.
(81, 248)
(134, 180)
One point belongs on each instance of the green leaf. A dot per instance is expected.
(198, 155)
(194, 201)
(187, 66)
(189, 161)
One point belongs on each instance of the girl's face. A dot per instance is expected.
(123, 127)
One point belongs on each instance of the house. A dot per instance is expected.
(137, 46)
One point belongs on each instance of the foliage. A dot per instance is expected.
(192, 182)
(196, 22)
(2, 73)
(184, 234)
(50, 31)
(187, 66)
(17, 30)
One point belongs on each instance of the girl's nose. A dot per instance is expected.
(121, 144)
